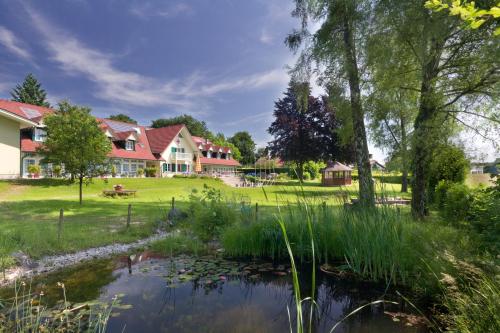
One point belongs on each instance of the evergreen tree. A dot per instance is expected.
(30, 92)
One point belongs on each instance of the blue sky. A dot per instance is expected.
(221, 61)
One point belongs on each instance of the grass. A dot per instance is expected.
(29, 210)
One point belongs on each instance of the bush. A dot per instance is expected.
(34, 169)
(150, 172)
(484, 214)
(210, 213)
(457, 202)
(449, 164)
(140, 172)
(56, 170)
(440, 193)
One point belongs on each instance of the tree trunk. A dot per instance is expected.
(423, 134)
(366, 190)
(81, 185)
(404, 155)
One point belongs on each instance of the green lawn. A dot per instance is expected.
(29, 209)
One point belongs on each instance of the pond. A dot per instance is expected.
(207, 294)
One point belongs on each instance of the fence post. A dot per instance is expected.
(59, 226)
(173, 202)
(129, 215)
(256, 211)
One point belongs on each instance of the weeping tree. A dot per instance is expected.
(338, 50)
(457, 82)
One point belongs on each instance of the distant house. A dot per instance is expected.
(171, 150)
(478, 167)
(215, 159)
(376, 165)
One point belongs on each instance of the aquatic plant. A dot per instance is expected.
(26, 312)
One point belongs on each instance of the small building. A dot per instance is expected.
(336, 174)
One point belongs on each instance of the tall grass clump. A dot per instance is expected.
(380, 244)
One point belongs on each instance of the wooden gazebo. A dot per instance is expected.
(336, 174)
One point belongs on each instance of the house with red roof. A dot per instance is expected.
(215, 159)
(21, 132)
(130, 148)
(170, 150)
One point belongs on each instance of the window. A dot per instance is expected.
(130, 145)
(125, 167)
(173, 149)
(133, 168)
(40, 135)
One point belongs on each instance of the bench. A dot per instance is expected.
(120, 193)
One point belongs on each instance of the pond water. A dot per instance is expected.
(214, 295)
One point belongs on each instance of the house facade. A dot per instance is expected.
(170, 150)
(21, 132)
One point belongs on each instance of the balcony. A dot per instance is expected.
(182, 156)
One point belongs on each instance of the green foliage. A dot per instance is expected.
(30, 92)
(210, 213)
(314, 168)
(122, 117)
(246, 146)
(140, 172)
(467, 11)
(484, 215)
(378, 244)
(150, 171)
(195, 126)
(448, 163)
(75, 139)
(176, 244)
(57, 169)
(34, 169)
(456, 205)
(220, 140)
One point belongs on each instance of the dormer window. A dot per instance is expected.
(130, 145)
(40, 135)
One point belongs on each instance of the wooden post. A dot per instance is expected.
(256, 211)
(129, 215)
(59, 226)
(173, 202)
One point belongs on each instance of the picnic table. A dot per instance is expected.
(114, 193)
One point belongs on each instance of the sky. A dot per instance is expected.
(221, 61)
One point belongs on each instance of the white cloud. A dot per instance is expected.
(11, 42)
(116, 85)
(265, 37)
(263, 117)
(145, 10)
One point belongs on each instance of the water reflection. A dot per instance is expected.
(173, 296)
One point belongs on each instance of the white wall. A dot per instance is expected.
(10, 151)
(189, 148)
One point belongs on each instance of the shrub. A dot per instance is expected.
(484, 214)
(449, 164)
(140, 172)
(150, 171)
(210, 213)
(457, 202)
(56, 170)
(440, 193)
(34, 169)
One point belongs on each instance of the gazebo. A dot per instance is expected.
(336, 174)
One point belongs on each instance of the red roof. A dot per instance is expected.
(199, 140)
(160, 138)
(120, 129)
(217, 161)
(27, 143)
(30, 112)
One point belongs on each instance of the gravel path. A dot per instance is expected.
(30, 268)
